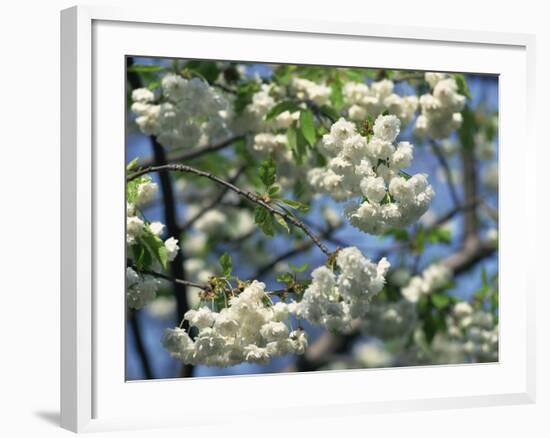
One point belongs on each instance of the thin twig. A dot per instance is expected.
(330, 343)
(469, 184)
(171, 279)
(472, 204)
(408, 77)
(447, 170)
(224, 88)
(190, 154)
(215, 201)
(204, 287)
(302, 247)
(244, 193)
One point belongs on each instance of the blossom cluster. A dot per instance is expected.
(388, 320)
(190, 112)
(264, 100)
(372, 355)
(440, 109)
(362, 100)
(476, 330)
(334, 299)
(304, 89)
(370, 168)
(433, 278)
(249, 329)
(141, 289)
(253, 117)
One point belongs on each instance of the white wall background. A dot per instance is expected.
(29, 141)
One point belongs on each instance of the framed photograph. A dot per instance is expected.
(299, 218)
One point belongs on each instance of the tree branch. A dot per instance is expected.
(170, 218)
(470, 205)
(300, 248)
(244, 193)
(190, 154)
(469, 184)
(205, 287)
(329, 343)
(213, 203)
(409, 77)
(171, 279)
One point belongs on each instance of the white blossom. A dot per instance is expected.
(373, 355)
(334, 300)
(139, 290)
(143, 95)
(134, 228)
(309, 90)
(210, 221)
(434, 277)
(247, 330)
(371, 170)
(179, 121)
(172, 248)
(440, 109)
(146, 192)
(362, 100)
(156, 228)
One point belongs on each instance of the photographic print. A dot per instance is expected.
(292, 218)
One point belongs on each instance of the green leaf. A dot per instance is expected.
(491, 130)
(142, 68)
(162, 255)
(440, 301)
(301, 146)
(267, 172)
(138, 251)
(296, 142)
(358, 74)
(264, 220)
(153, 85)
(132, 187)
(399, 234)
(281, 107)
(336, 95)
(282, 222)
(462, 85)
(273, 191)
(439, 235)
(420, 240)
(296, 205)
(209, 70)
(298, 269)
(245, 91)
(226, 263)
(156, 247)
(484, 279)
(387, 199)
(285, 277)
(307, 126)
(131, 164)
(267, 226)
(404, 175)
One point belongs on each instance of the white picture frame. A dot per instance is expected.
(94, 395)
